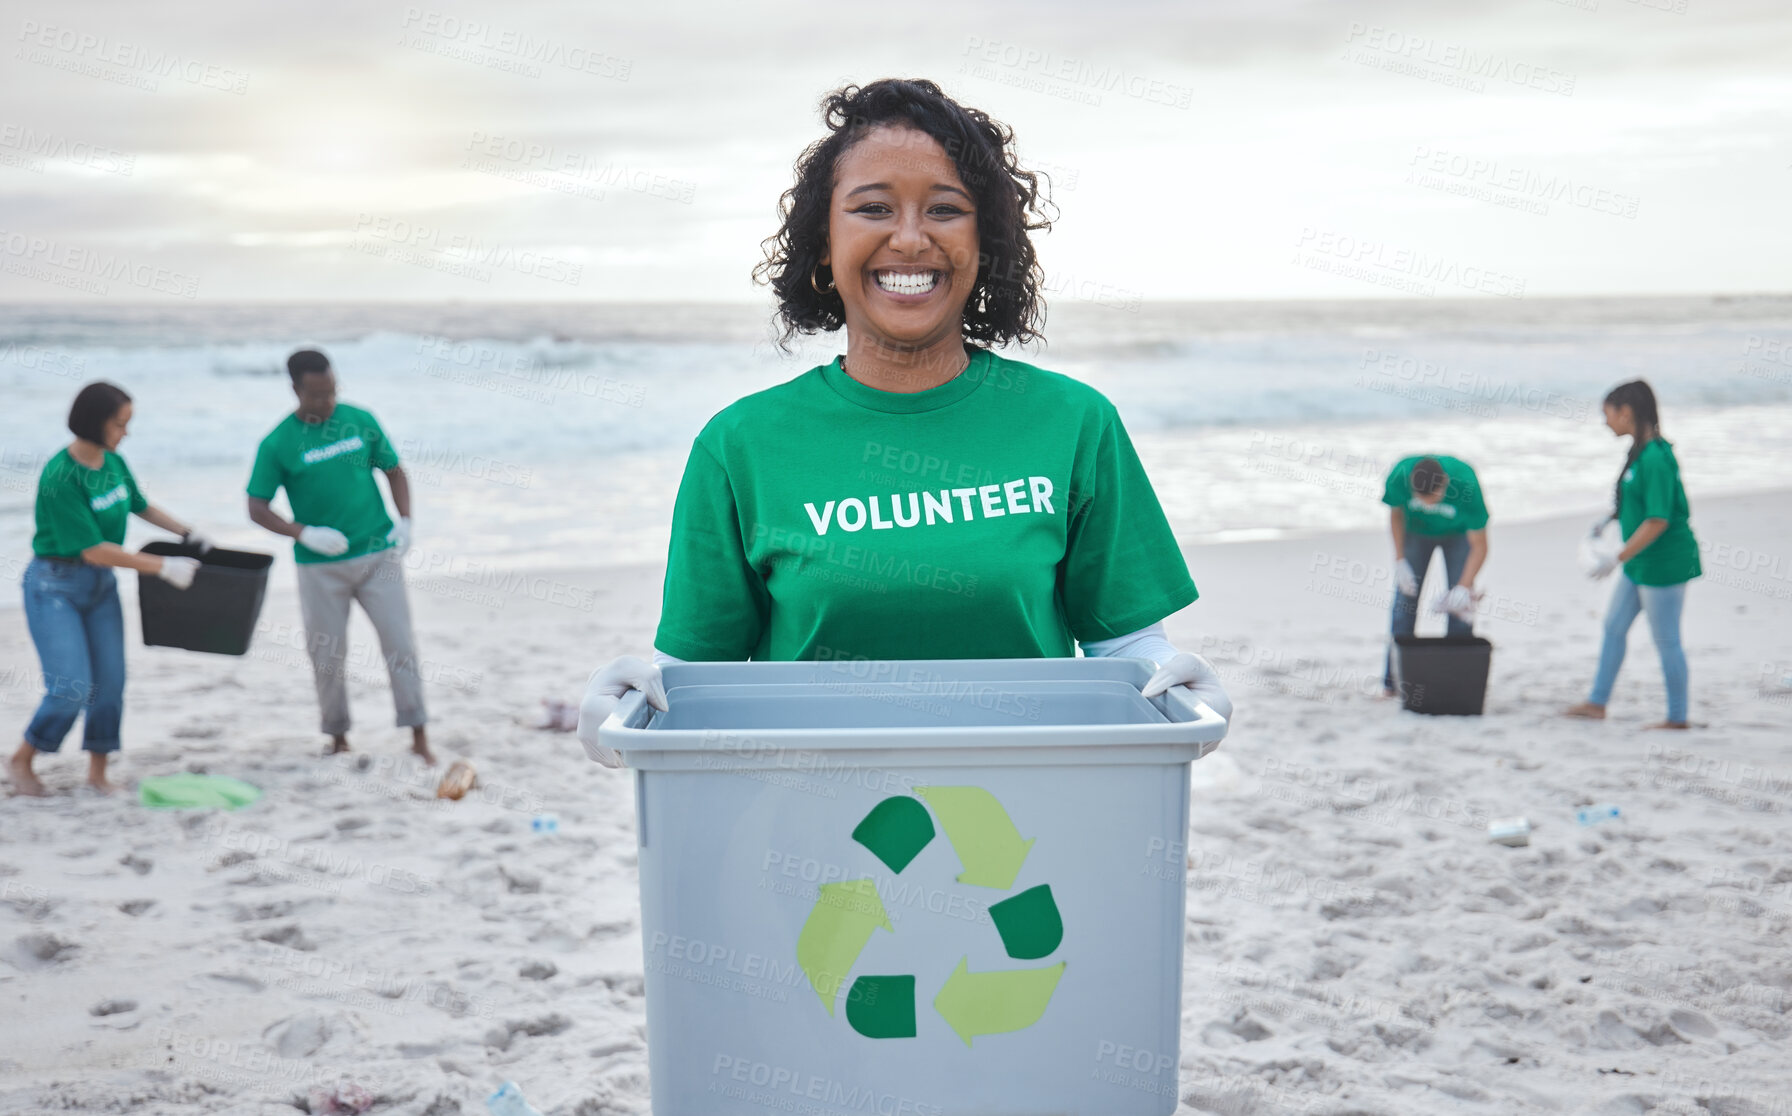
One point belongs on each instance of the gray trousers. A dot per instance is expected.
(377, 581)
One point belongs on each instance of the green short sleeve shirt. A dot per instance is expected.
(78, 507)
(1001, 514)
(1463, 508)
(327, 470)
(1651, 489)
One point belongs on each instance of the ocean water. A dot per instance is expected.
(553, 436)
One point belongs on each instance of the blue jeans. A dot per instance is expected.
(72, 611)
(1663, 603)
(1406, 609)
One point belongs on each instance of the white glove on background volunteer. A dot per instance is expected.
(1405, 578)
(605, 689)
(1458, 602)
(400, 535)
(327, 541)
(1598, 552)
(178, 571)
(195, 538)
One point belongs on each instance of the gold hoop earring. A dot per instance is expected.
(812, 283)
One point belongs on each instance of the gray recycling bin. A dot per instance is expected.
(918, 887)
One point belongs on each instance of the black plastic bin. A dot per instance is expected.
(216, 613)
(1442, 674)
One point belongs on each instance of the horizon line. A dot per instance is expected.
(1725, 296)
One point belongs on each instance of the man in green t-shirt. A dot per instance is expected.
(346, 546)
(1436, 504)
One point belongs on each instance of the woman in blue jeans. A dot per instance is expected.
(1659, 557)
(85, 495)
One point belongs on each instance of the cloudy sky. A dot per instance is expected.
(539, 150)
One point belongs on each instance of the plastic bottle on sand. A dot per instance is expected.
(508, 1101)
(1593, 815)
(1515, 832)
(545, 823)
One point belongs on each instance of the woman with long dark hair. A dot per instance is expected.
(919, 496)
(1659, 557)
(85, 496)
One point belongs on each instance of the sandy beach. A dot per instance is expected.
(1355, 943)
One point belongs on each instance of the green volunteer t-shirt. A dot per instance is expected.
(327, 470)
(1651, 489)
(78, 507)
(1463, 507)
(1001, 514)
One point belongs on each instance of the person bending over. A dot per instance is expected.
(1436, 504)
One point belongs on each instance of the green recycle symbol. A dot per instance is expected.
(847, 913)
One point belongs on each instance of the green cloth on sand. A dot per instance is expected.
(188, 791)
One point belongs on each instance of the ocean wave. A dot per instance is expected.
(561, 384)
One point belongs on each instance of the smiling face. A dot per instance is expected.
(902, 239)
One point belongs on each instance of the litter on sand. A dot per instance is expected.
(457, 781)
(1509, 831)
(191, 791)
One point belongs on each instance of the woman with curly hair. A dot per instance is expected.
(919, 496)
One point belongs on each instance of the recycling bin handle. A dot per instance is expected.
(631, 712)
(1186, 710)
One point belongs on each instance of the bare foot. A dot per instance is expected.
(338, 744)
(1586, 711)
(1672, 725)
(96, 773)
(420, 746)
(24, 780)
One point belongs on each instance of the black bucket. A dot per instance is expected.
(215, 614)
(1442, 674)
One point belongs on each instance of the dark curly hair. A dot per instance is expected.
(1005, 305)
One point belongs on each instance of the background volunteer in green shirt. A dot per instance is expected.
(1659, 557)
(1437, 505)
(86, 495)
(919, 497)
(347, 547)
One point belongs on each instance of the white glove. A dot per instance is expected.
(194, 538)
(1405, 578)
(1458, 602)
(605, 689)
(400, 535)
(178, 571)
(1191, 670)
(327, 541)
(1598, 551)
